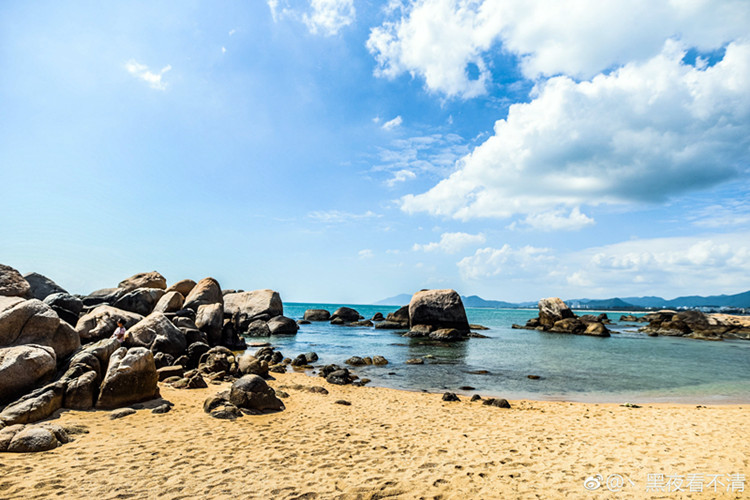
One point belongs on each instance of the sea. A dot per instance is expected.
(628, 367)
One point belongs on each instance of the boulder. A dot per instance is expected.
(258, 328)
(144, 280)
(596, 330)
(355, 361)
(339, 377)
(447, 334)
(400, 316)
(552, 310)
(206, 291)
(217, 359)
(247, 307)
(317, 315)
(498, 402)
(157, 333)
(34, 322)
(23, 367)
(12, 283)
(102, 296)
(35, 406)
(102, 350)
(439, 309)
(140, 301)
(250, 365)
(230, 338)
(378, 317)
(68, 307)
(252, 393)
(80, 393)
(568, 325)
(162, 359)
(347, 314)
(183, 287)
(102, 321)
(41, 286)
(170, 302)
(195, 352)
(281, 325)
(379, 360)
(391, 325)
(131, 377)
(33, 438)
(450, 396)
(209, 318)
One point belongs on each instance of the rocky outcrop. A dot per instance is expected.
(131, 378)
(103, 296)
(12, 283)
(143, 280)
(169, 302)
(397, 320)
(140, 300)
(206, 291)
(252, 393)
(41, 286)
(438, 310)
(552, 310)
(346, 314)
(33, 438)
(281, 325)
(34, 322)
(556, 317)
(157, 333)
(68, 307)
(317, 315)
(35, 406)
(23, 367)
(183, 287)
(245, 308)
(695, 324)
(101, 322)
(209, 318)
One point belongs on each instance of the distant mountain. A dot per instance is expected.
(398, 300)
(476, 301)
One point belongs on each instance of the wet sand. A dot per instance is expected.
(389, 444)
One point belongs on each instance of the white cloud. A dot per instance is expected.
(449, 43)
(223, 50)
(329, 16)
(555, 220)
(451, 242)
(366, 254)
(339, 217)
(142, 72)
(391, 124)
(644, 133)
(505, 261)
(401, 176)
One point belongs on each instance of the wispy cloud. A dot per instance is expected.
(143, 73)
(366, 254)
(391, 124)
(339, 217)
(451, 242)
(322, 17)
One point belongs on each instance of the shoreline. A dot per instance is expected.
(387, 443)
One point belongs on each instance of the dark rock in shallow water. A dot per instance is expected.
(377, 317)
(533, 377)
(439, 309)
(355, 361)
(317, 315)
(379, 360)
(339, 377)
(346, 314)
(415, 361)
(281, 325)
(450, 396)
(467, 388)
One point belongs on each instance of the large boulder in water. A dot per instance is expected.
(552, 310)
(252, 393)
(317, 315)
(23, 367)
(346, 314)
(12, 283)
(41, 286)
(246, 307)
(281, 325)
(101, 322)
(131, 378)
(438, 309)
(206, 291)
(157, 333)
(144, 280)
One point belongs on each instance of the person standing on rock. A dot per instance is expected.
(120, 331)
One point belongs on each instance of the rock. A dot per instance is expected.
(390, 325)
(277, 368)
(339, 377)
(41, 286)
(102, 321)
(209, 318)
(7, 434)
(476, 397)
(328, 369)
(281, 325)
(246, 307)
(342, 402)
(448, 334)
(597, 330)
(102, 350)
(122, 412)
(467, 388)
(195, 352)
(337, 321)
(250, 365)
(316, 389)
(478, 327)
(355, 361)
(170, 371)
(552, 310)
(230, 338)
(399, 316)
(415, 361)
(162, 359)
(450, 396)
(252, 393)
(144, 280)
(67, 307)
(568, 325)
(140, 301)
(300, 360)
(217, 359)
(33, 438)
(104, 296)
(157, 333)
(311, 357)
(418, 331)
(377, 317)
(80, 393)
(23, 367)
(183, 287)
(34, 322)
(346, 314)
(131, 378)
(162, 409)
(169, 302)
(439, 309)
(12, 283)
(317, 315)
(195, 381)
(379, 360)
(258, 328)
(37, 405)
(629, 318)
(500, 403)
(533, 377)
(303, 322)
(365, 322)
(206, 291)
(226, 412)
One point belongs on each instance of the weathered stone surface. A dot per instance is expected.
(101, 322)
(258, 328)
(439, 309)
(552, 310)
(131, 377)
(250, 365)
(247, 307)
(596, 330)
(339, 377)
(140, 301)
(170, 371)
(217, 359)
(450, 396)
(231, 339)
(317, 315)
(33, 438)
(448, 334)
(252, 393)
(209, 318)
(415, 361)
(122, 412)
(37, 405)
(500, 403)
(80, 393)
(379, 360)
(195, 352)
(64, 303)
(183, 287)
(103, 350)
(12, 283)
(157, 333)
(102, 296)
(41, 286)
(23, 367)
(281, 325)
(206, 291)
(169, 302)
(347, 314)
(377, 317)
(34, 322)
(144, 280)
(695, 324)
(355, 361)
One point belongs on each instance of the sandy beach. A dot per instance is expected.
(389, 444)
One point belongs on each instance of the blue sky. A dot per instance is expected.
(349, 150)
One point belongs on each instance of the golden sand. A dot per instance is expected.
(389, 444)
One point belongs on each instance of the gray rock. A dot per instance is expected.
(217, 359)
(379, 360)
(500, 403)
(41, 286)
(195, 351)
(122, 412)
(12, 283)
(170, 302)
(281, 325)
(206, 291)
(161, 409)
(37, 405)
(355, 361)
(170, 371)
(247, 307)
(250, 365)
(104, 296)
(101, 322)
(65, 304)
(317, 315)
(162, 359)
(339, 377)
(347, 314)
(144, 280)
(209, 318)
(23, 367)
(448, 334)
(131, 377)
(552, 310)
(183, 287)
(80, 393)
(450, 396)
(140, 301)
(7, 434)
(34, 322)
(439, 309)
(33, 438)
(252, 393)
(415, 361)
(157, 333)
(258, 328)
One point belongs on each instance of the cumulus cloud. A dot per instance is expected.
(391, 124)
(449, 43)
(142, 72)
(401, 176)
(643, 133)
(451, 242)
(555, 221)
(322, 17)
(506, 261)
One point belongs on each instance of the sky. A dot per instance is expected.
(346, 151)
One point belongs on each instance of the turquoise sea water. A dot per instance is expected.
(626, 367)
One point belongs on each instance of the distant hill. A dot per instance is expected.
(739, 300)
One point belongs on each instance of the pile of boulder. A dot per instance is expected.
(556, 317)
(697, 325)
